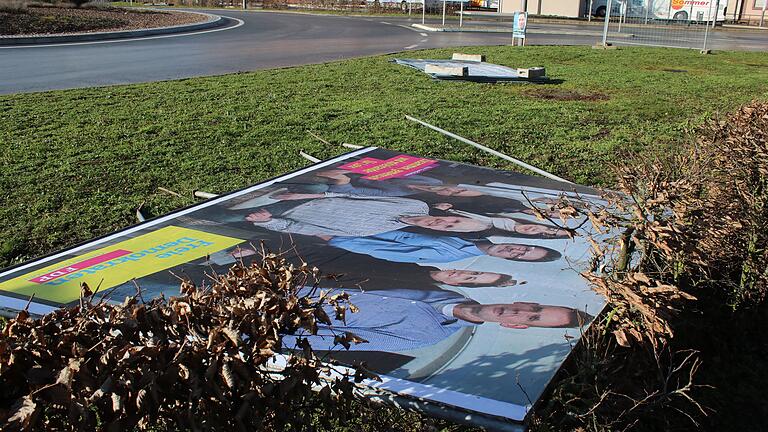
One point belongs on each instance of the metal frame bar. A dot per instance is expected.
(205, 195)
(491, 151)
(309, 157)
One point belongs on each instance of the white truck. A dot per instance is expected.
(678, 10)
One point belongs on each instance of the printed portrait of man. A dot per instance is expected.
(403, 320)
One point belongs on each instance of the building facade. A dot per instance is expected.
(747, 11)
(563, 8)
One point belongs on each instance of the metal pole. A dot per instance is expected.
(690, 15)
(762, 16)
(206, 195)
(244, 5)
(647, 8)
(410, 3)
(489, 150)
(706, 27)
(513, 31)
(423, 10)
(589, 12)
(622, 14)
(309, 157)
(461, 13)
(443, 13)
(607, 18)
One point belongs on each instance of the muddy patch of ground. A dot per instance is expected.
(566, 95)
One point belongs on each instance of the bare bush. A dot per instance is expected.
(200, 361)
(691, 226)
(697, 220)
(13, 6)
(606, 387)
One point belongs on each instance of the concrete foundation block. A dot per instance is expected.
(468, 57)
(532, 73)
(446, 70)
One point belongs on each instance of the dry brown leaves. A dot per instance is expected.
(698, 221)
(195, 362)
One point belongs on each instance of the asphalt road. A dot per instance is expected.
(261, 40)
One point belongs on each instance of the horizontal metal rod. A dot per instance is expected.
(490, 150)
(309, 157)
(206, 195)
(168, 191)
(318, 138)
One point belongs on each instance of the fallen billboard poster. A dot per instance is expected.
(476, 71)
(467, 299)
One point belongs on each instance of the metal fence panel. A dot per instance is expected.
(668, 23)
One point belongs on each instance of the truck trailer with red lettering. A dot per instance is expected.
(677, 10)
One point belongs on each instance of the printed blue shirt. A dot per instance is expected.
(406, 247)
(389, 324)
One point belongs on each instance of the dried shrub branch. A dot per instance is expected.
(607, 387)
(691, 226)
(698, 223)
(200, 361)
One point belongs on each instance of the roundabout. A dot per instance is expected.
(244, 41)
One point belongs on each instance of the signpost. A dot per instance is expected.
(607, 20)
(706, 29)
(444, 13)
(519, 26)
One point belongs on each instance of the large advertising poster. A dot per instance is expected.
(465, 297)
(519, 24)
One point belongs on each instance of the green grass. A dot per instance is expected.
(76, 164)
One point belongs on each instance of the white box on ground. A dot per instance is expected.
(468, 57)
(446, 70)
(534, 72)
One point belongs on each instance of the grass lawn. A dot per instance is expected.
(76, 164)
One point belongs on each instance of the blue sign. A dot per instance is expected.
(519, 25)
